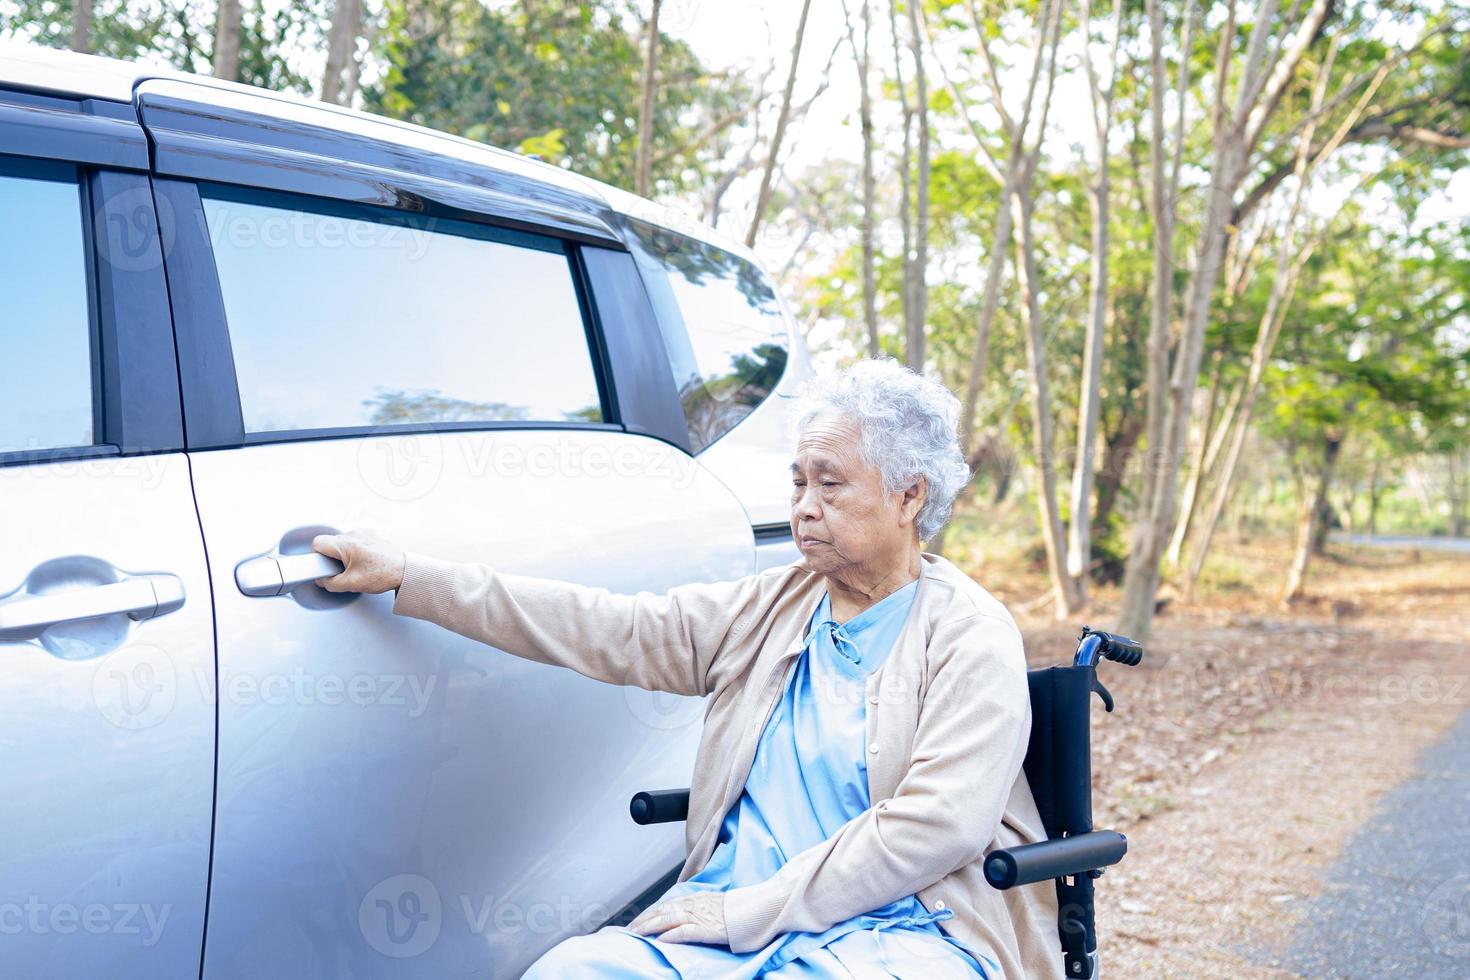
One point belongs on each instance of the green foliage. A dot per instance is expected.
(555, 78)
(182, 34)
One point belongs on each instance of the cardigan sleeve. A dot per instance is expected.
(973, 729)
(656, 642)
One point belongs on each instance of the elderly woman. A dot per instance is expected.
(867, 716)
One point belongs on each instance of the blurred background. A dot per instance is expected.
(1198, 272)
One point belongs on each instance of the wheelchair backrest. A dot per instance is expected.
(1059, 757)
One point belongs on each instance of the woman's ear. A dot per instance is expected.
(913, 500)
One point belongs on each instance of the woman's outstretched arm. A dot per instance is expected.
(665, 642)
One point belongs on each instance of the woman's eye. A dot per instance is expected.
(829, 483)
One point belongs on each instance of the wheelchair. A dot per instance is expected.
(1058, 768)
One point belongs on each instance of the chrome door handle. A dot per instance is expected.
(139, 597)
(270, 575)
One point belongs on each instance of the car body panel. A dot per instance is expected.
(457, 777)
(107, 737)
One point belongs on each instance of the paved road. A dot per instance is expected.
(1397, 903)
(1404, 541)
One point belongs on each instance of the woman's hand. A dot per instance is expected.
(696, 918)
(372, 563)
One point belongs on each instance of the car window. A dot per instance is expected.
(45, 329)
(345, 316)
(722, 324)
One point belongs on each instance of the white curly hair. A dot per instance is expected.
(908, 425)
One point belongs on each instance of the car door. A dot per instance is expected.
(106, 631)
(394, 799)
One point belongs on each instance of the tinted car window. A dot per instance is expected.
(45, 329)
(722, 324)
(341, 316)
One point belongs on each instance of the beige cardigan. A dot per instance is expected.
(947, 724)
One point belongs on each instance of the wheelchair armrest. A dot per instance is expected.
(659, 806)
(1060, 857)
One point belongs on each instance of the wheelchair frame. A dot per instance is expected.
(1058, 768)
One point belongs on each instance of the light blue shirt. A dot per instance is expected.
(809, 777)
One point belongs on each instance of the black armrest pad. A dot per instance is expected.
(1058, 858)
(659, 806)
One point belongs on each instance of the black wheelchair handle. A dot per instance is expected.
(1060, 857)
(659, 806)
(1092, 644)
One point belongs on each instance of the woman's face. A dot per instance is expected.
(841, 514)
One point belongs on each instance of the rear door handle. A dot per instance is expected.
(270, 575)
(139, 597)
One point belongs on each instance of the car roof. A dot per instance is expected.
(70, 74)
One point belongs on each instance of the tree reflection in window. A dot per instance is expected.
(401, 407)
(723, 327)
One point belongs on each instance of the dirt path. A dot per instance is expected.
(1254, 742)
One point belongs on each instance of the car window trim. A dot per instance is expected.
(95, 132)
(133, 373)
(207, 135)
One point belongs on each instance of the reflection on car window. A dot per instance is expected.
(341, 317)
(45, 342)
(722, 324)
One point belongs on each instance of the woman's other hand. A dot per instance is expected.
(372, 563)
(695, 918)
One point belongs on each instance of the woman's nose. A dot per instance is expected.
(805, 505)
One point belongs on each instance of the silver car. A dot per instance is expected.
(233, 320)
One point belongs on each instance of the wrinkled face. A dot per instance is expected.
(841, 515)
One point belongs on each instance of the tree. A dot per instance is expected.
(557, 77)
(1247, 127)
(1079, 531)
(865, 109)
(339, 81)
(81, 30)
(227, 25)
(918, 290)
(645, 109)
(763, 197)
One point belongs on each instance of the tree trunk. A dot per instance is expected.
(1118, 451)
(764, 197)
(341, 50)
(81, 26)
(1459, 495)
(1015, 165)
(1375, 494)
(1310, 516)
(1199, 464)
(905, 171)
(920, 288)
(1041, 417)
(226, 58)
(1161, 212)
(1079, 529)
(1326, 517)
(870, 286)
(645, 110)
